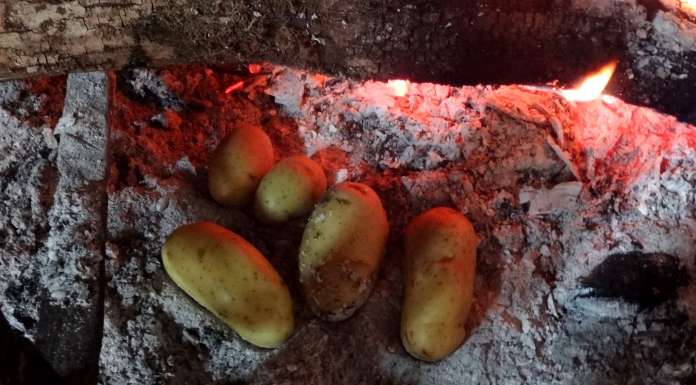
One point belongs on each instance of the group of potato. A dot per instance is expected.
(340, 254)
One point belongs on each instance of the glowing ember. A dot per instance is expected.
(234, 87)
(399, 87)
(592, 86)
(254, 68)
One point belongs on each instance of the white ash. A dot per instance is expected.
(553, 188)
(77, 217)
(17, 99)
(662, 35)
(421, 131)
(547, 215)
(27, 170)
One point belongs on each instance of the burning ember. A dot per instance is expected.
(234, 87)
(399, 87)
(254, 68)
(593, 85)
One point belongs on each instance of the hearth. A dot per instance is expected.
(575, 161)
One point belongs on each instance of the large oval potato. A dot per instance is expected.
(341, 250)
(231, 278)
(290, 189)
(238, 164)
(439, 276)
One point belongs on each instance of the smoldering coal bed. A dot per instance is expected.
(585, 203)
(585, 210)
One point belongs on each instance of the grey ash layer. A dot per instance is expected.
(508, 158)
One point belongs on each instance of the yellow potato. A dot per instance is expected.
(438, 283)
(238, 164)
(231, 278)
(290, 189)
(341, 250)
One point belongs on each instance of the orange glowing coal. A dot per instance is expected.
(254, 68)
(234, 87)
(592, 86)
(398, 87)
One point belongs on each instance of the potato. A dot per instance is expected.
(439, 271)
(341, 250)
(238, 164)
(231, 278)
(290, 189)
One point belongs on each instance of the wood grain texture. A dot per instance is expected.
(457, 42)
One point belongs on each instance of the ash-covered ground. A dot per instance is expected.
(587, 214)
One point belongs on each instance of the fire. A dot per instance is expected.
(399, 87)
(254, 68)
(593, 85)
(689, 4)
(234, 87)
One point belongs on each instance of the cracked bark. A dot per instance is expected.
(481, 41)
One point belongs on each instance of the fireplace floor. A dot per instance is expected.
(587, 214)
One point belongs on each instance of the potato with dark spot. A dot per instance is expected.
(238, 164)
(342, 249)
(290, 190)
(439, 271)
(232, 279)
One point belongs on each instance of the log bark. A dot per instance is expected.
(457, 42)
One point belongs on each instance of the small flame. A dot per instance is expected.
(234, 87)
(399, 87)
(592, 86)
(689, 5)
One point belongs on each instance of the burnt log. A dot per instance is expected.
(455, 42)
(52, 227)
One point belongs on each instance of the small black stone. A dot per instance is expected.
(647, 279)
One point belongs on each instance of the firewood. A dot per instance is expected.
(480, 41)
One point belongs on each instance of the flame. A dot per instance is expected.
(593, 85)
(398, 87)
(689, 4)
(234, 87)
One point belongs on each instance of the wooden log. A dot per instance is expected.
(70, 315)
(477, 41)
(51, 289)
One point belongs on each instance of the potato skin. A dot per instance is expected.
(341, 251)
(232, 279)
(290, 190)
(238, 164)
(439, 272)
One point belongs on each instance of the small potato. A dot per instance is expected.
(341, 250)
(238, 164)
(438, 283)
(231, 278)
(290, 189)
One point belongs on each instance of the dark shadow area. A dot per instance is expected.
(646, 279)
(20, 362)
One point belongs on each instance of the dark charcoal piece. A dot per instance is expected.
(647, 279)
(21, 362)
(145, 86)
